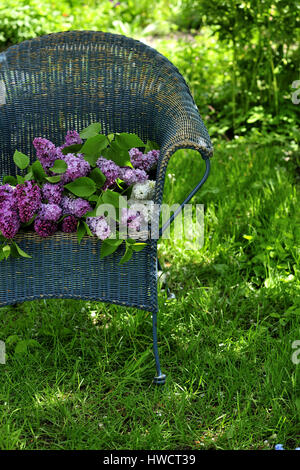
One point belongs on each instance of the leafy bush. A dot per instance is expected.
(20, 20)
(261, 41)
(25, 19)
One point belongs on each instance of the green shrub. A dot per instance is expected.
(261, 41)
(24, 19)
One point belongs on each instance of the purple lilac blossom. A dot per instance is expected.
(52, 192)
(143, 161)
(29, 200)
(110, 170)
(131, 175)
(69, 224)
(132, 218)
(46, 152)
(71, 138)
(81, 207)
(77, 207)
(67, 205)
(45, 228)
(153, 154)
(99, 227)
(8, 197)
(77, 167)
(50, 212)
(9, 223)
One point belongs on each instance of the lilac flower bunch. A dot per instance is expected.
(9, 224)
(52, 192)
(77, 167)
(63, 191)
(77, 207)
(9, 220)
(143, 161)
(69, 224)
(29, 200)
(51, 212)
(44, 227)
(8, 198)
(46, 152)
(131, 175)
(72, 138)
(132, 219)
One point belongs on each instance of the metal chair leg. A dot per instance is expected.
(160, 378)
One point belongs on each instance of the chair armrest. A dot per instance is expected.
(181, 127)
(187, 199)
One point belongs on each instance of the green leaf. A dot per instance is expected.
(99, 200)
(13, 251)
(110, 137)
(92, 148)
(116, 240)
(99, 178)
(113, 198)
(21, 347)
(59, 166)
(21, 160)
(82, 187)
(74, 148)
(91, 130)
(20, 251)
(81, 230)
(127, 255)
(138, 246)
(12, 180)
(20, 179)
(53, 179)
(28, 176)
(92, 213)
(93, 198)
(127, 141)
(33, 343)
(120, 156)
(38, 171)
(150, 145)
(248, 237)
(107, 248)
(2, 255)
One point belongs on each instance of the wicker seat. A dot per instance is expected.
(66, 81)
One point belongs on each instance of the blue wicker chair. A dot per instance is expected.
(68, 80)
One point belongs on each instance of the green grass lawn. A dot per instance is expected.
(84, 382)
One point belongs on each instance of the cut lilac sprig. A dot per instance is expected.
(29, 200)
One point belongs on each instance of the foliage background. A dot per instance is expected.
(78, 373)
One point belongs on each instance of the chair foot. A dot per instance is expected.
(160, 380)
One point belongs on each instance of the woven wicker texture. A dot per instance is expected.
(66, 81)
